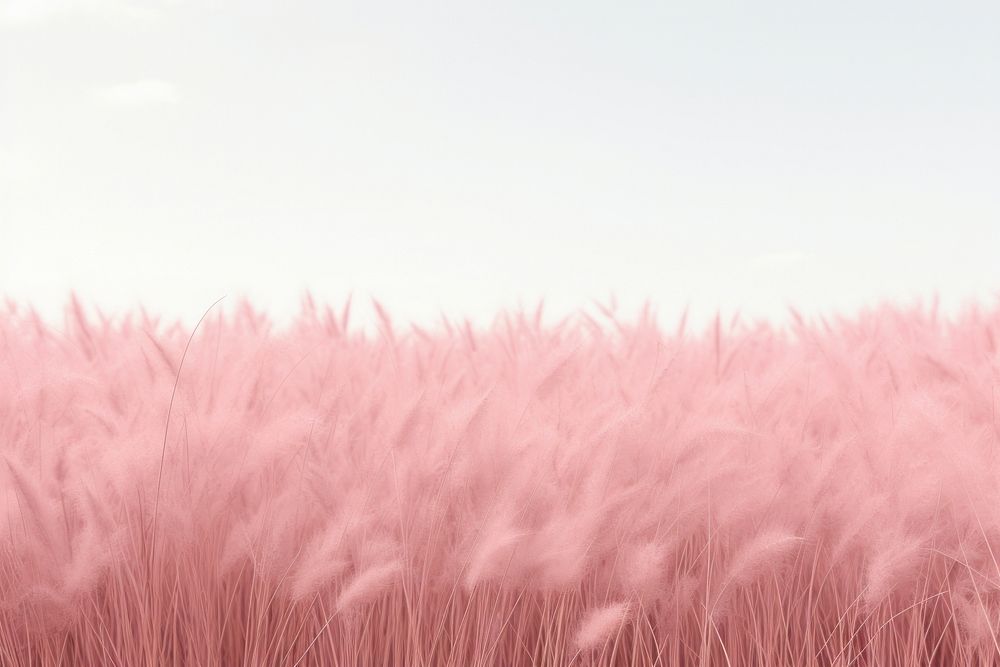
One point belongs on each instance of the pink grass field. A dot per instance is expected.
(597, 492)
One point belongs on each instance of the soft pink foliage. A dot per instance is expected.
(599, 625)
(821, 494)
(368, 585)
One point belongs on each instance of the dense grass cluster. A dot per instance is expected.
(593, 492)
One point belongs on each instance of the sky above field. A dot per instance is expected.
(470, 156)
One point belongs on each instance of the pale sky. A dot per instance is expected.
(469, 156)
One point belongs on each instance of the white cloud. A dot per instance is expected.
(145, 92)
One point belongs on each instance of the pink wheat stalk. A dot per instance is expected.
(595, 492)
(600, 625)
